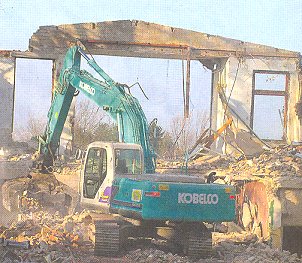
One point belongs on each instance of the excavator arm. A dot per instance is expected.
(107, 94)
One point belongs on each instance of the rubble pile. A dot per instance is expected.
(253, 252)
(244, 246)
(49, 236)
(201, 166)
(228, 248)
(53, 238)
(279, 161)
(72, 168)
(40, 227)
(14, 166)
(286, 161)
(70, 174)
(18, 149)
(38, 191)
(154, 255)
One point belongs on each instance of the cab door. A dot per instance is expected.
(95, 185)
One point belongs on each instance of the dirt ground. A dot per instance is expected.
(53, 237)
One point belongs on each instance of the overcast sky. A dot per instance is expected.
(276, 23)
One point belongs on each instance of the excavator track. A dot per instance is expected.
(107, 238)
(199, 244)
(110, 236)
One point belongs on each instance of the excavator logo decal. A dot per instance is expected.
(87, 88)
(203, 199)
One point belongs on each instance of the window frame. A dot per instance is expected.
(259, 92)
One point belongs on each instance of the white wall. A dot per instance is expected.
(241, 97)
(6, 98)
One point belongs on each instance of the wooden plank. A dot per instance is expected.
(270, 92)
(138, 50)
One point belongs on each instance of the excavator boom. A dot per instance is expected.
(107, 94)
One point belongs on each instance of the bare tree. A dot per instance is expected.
(88, 116)
(34, 127)
(92, 124)
(201, 121)
(185, 131)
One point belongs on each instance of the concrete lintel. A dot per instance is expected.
(142, 39)
(31, 55)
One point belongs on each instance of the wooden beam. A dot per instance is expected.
(51, 52)
(187, 95)
(270, 92)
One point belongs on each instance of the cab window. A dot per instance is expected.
(128, 161)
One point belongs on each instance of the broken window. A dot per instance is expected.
(269, 105)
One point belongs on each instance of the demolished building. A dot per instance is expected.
(250, 83)
(242, 70)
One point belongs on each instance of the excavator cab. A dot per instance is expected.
(103, 162)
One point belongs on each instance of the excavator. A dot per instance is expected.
(119, 179)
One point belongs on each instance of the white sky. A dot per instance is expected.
(276, 23)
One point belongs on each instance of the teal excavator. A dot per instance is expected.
(119, 179)
(109, 95)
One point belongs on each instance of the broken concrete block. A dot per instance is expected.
(68, 226)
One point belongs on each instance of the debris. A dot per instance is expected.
(37, 192)
(53, 244)
(53, 237)
(18, 244)
(246, 217)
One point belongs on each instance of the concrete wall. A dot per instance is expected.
(217, 110)
(7, 65)
(143, 39)
(291, 201)
(287, 207)
(241, 97)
